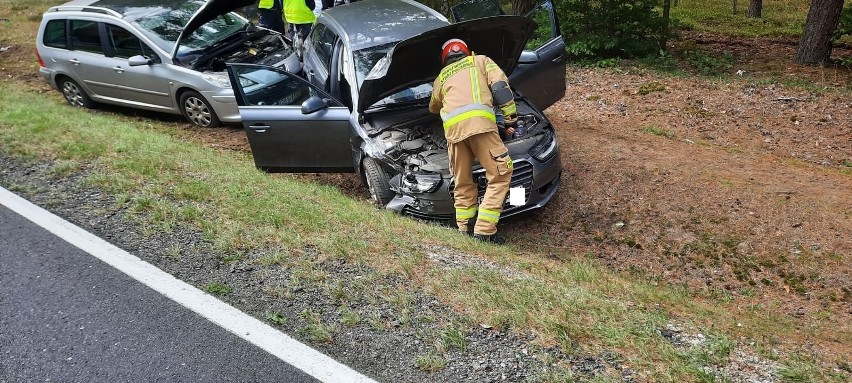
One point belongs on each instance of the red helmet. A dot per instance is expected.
(453, 47)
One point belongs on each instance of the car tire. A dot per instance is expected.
(74, 94)
(197, 110)
(377, 181)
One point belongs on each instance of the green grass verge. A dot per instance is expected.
(576, 304)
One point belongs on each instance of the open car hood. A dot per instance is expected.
(209, 11)
(418, 59)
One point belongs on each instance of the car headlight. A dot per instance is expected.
(219, 79)
(545, 148)
(420, 182)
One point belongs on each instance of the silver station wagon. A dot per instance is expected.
(166, 56)
(361, 103)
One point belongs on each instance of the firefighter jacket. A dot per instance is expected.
(297, 12)
(462, 95)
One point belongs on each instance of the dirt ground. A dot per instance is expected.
(738, 186)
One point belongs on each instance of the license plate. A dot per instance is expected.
(517, 197)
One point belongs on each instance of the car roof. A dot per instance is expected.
(369, 23)
(122, 8)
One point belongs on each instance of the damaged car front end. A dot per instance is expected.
(362, 104)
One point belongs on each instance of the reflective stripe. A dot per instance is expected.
(473, 113)
(454, 68)
(510, 164)
(490, 67)
(474, 85)
(466, 213)
(489, 215)
(464, 109)
(509, 109)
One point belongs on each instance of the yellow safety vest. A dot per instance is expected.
(266, 4)
(297, 12)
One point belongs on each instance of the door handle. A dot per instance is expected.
(75, 61)
(118, 69)
(260, 128)
(559, 59)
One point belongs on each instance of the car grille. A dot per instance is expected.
(522, 176)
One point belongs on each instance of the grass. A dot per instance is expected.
(659, 132)
(314, 329)
(217, 288)
(572, 302)
(276, 318)
(430, 362)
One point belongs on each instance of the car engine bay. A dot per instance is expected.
(421, 146)
(260, 47)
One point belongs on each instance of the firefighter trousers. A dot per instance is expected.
(492, 154)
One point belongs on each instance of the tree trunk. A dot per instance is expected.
(755, 9)
(734, 12)
(815, 45)
(667, 7)
(521, 7)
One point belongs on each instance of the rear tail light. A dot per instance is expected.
(40, 61)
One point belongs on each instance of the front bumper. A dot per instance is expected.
(540, 180)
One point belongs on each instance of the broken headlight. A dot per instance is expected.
(420, 182)
(545, 148)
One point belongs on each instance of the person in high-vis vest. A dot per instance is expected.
(300, 15)
(271, 15)
(464, 94)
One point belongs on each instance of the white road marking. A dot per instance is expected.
(254, 331)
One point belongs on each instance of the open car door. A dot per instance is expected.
(540, 73)
(291, 125)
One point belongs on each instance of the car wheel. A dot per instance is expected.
(377, 181)
(197, 110)
(74, 94)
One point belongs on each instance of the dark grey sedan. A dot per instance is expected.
(361, 104)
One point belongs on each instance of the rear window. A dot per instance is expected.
(54, 34)
(85, 36)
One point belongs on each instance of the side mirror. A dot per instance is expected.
(139, 60)
(528, 57)
(314, 104)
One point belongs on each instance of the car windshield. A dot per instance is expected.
(163, 26)
(366, 59)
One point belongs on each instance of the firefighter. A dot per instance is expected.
(271, 15)
(465, 93)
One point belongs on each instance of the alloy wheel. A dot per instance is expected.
(197, 111)
(72, 94)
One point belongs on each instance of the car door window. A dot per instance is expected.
(85, 36)
(54, 34)
(126, 45)
(323, 42)
(266, 86)
(546, 27)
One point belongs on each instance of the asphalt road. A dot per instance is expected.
(66, 316)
